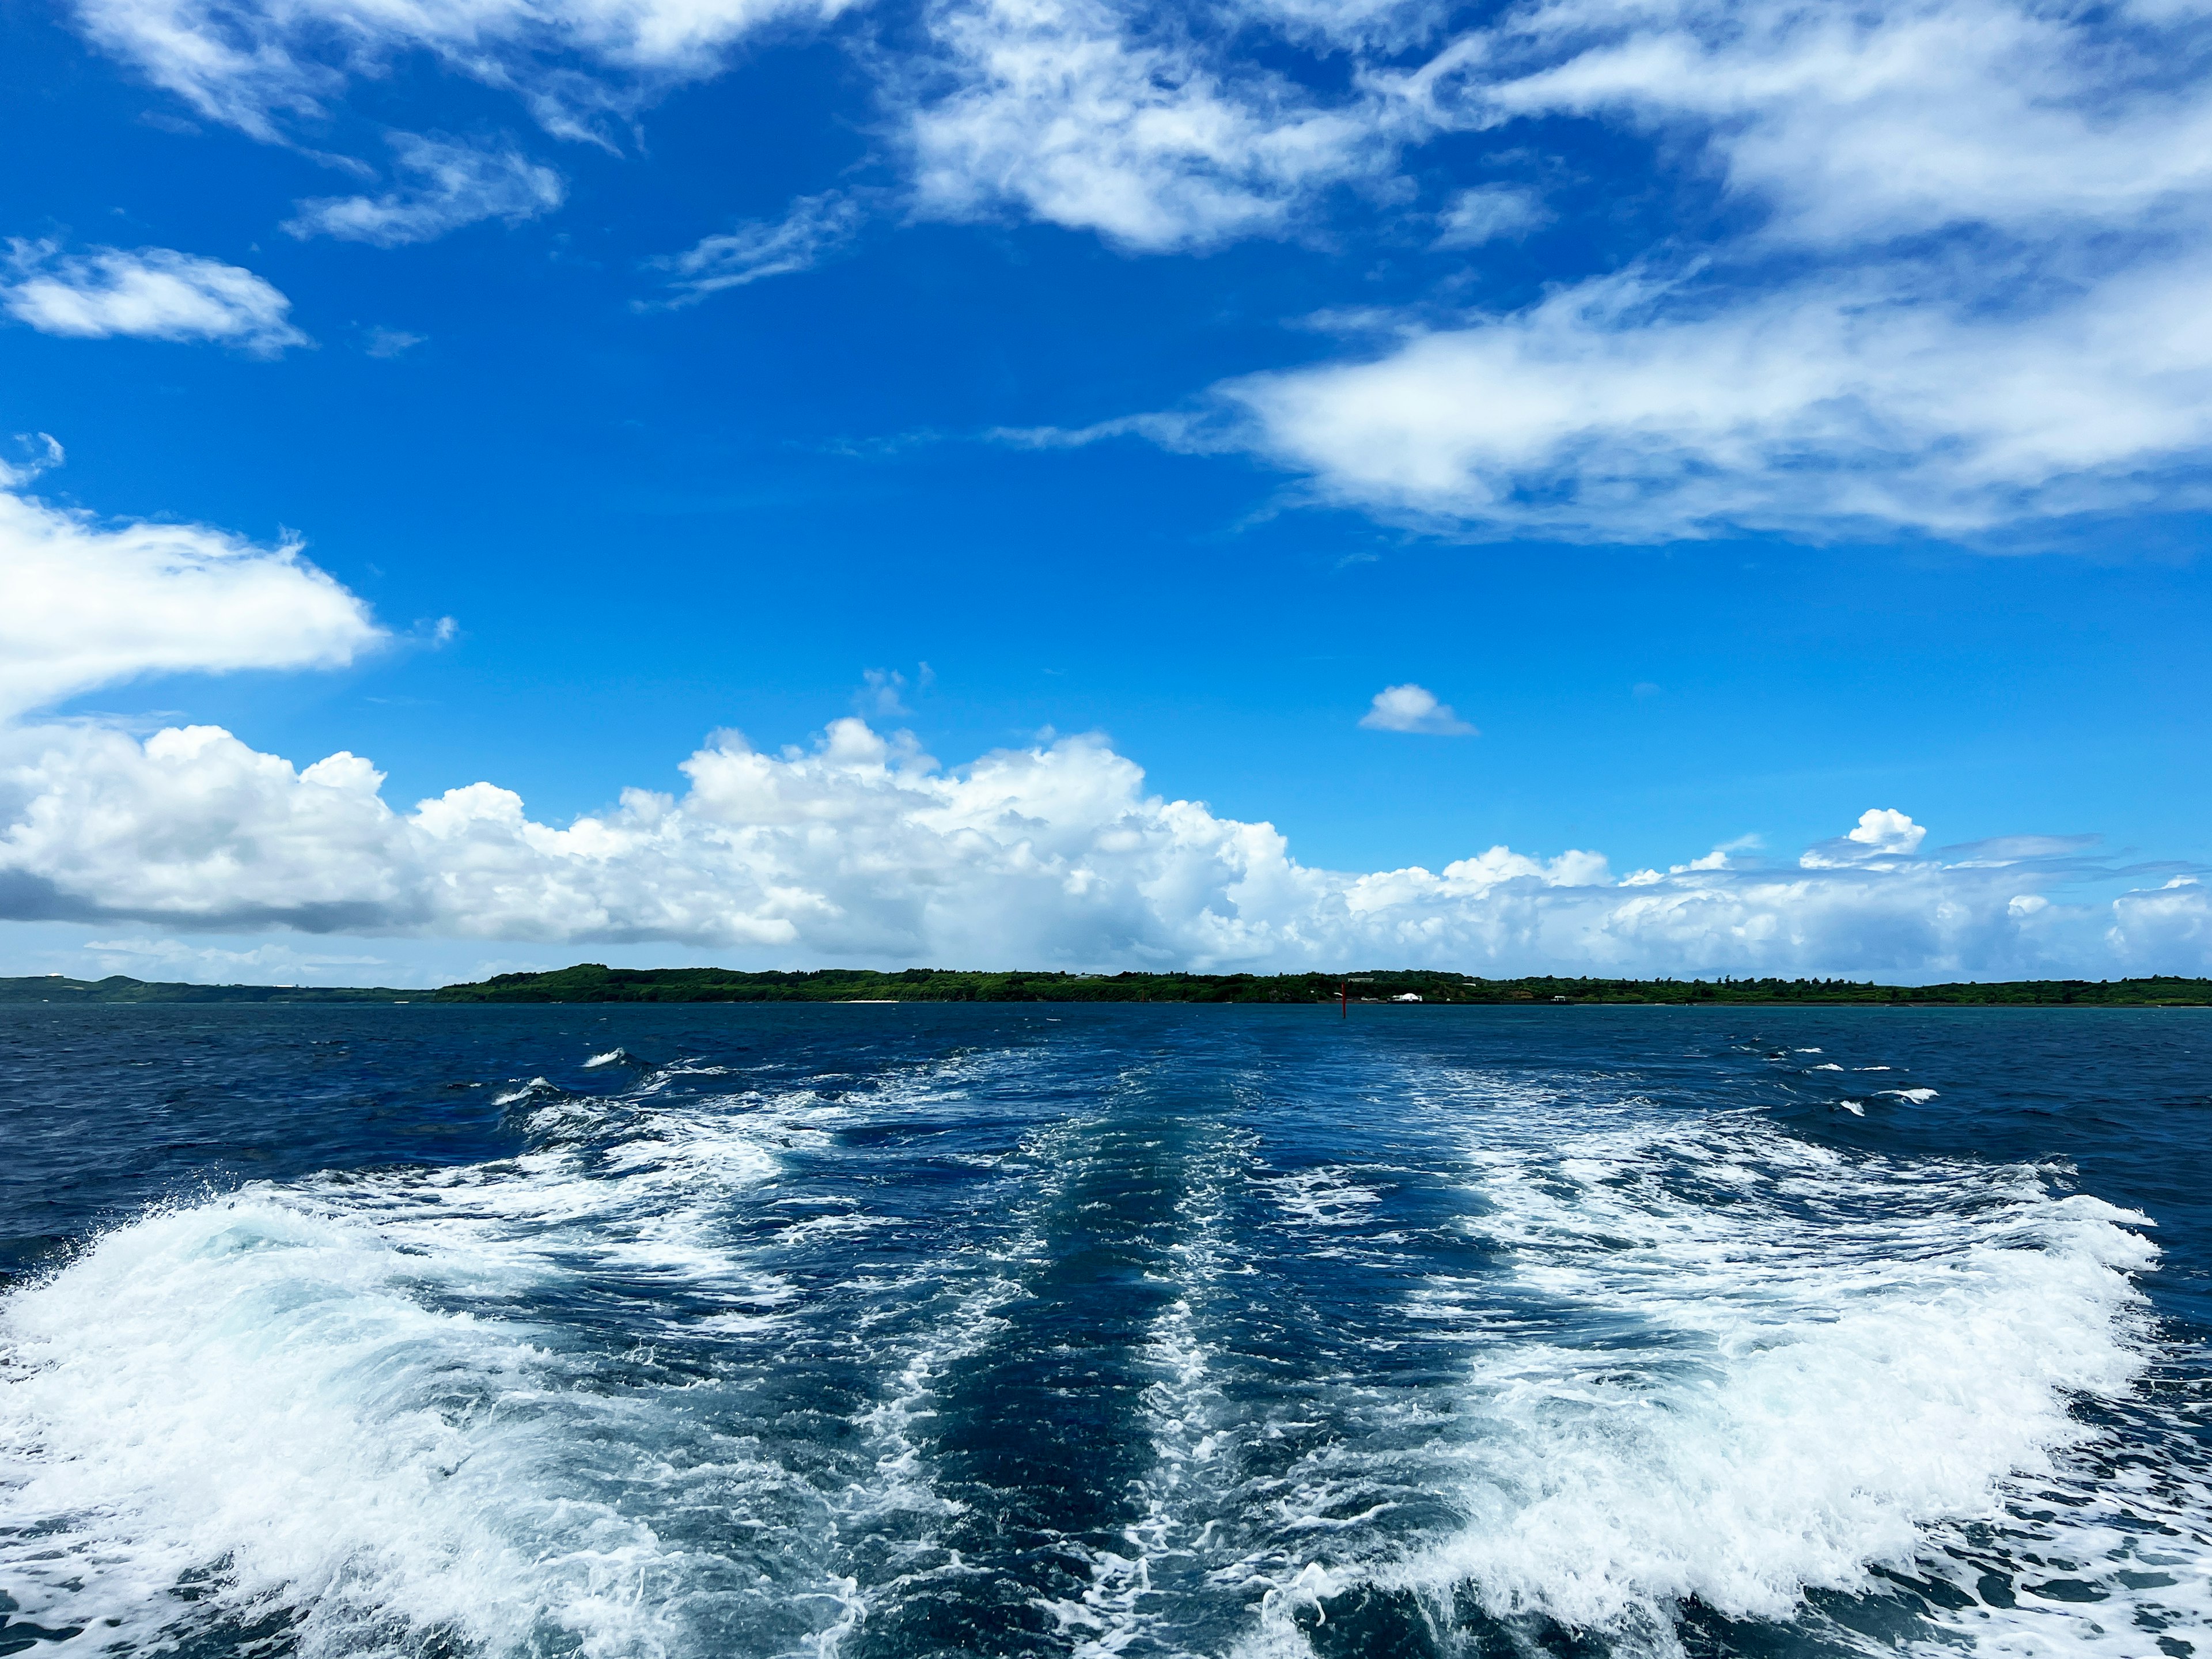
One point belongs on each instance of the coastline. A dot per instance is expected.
(592, 982)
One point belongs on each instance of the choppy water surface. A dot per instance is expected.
(900, 1331)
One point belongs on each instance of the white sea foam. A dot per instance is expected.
(1721, 1364)
(606, 1059)
(1729, 1367)
(1328, 1196)
(318, 1401)
(1775, 1366)
(1916, 1096)
(254, 1392)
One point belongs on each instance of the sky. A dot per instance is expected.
(1644, 487)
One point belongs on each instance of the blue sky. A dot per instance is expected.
(1734, 420)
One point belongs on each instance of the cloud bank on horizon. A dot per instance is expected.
(865, 850)
(1936, 263)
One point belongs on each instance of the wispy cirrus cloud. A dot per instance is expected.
(262, 66)
(813, 229)
(1626, 409)
(1944, 283)
(446, 184)
(1958, 295)
(148, 293)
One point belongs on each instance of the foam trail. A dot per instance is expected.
(1751, 1367)
(247, 1393)
(321, 1406)
(1188, 1490)
(1120, 1350)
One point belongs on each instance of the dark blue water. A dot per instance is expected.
(912, 1331)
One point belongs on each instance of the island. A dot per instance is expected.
(596, 982)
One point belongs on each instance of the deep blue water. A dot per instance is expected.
(915, 1330)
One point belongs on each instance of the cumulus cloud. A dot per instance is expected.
(152, 293)
(1886, 830)
(1883, 832)
(863, 848)
(449, 184)
(815, 227)
(2167, 924)
(1411, 708)
(84, 604)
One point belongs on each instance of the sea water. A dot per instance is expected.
(883, 1331)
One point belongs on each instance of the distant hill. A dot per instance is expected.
(594, 982)
(118, 987)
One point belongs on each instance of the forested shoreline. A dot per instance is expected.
(596, 982)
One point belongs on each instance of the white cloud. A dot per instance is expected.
(450, 185)
(1955, 288)
(85, 604)
(146, 957)
(1411, 708)
(391, 341)
(2167, 924)
(1058, 110)
(1886, 830)
(1952, 287)
(864, 849)
(1624, 408)
(1489, 214)
(152, 293)
(1836, 359)
(1845, 129)
(257, 63)
(815, 227)
(884, 694)
(1872, 121)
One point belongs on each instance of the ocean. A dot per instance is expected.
(886, 1332)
